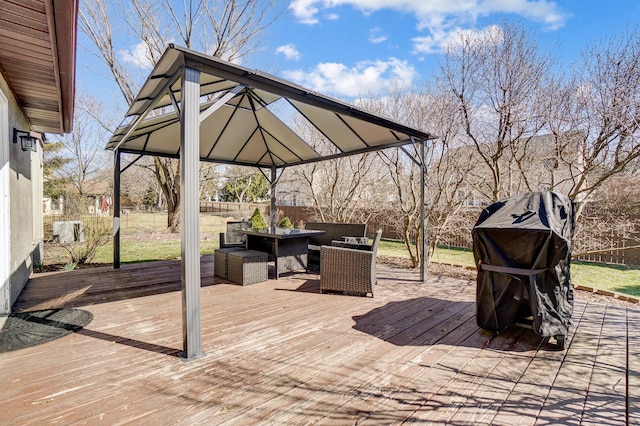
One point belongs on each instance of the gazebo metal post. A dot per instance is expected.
(116, 209)
(424, 215)
(190, 213)
(274, 183)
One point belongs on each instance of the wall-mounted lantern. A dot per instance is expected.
(28, 142)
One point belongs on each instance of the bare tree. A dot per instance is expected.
(447, 164)
(600, 105)
(209, 180)
(83, 146)
(344, 190)
(139, 185)
(229, 30)
(497, 79)
(612, 218)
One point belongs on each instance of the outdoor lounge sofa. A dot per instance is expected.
(333, 231)
(348, 270)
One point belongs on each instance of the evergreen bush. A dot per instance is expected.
(285, 223)
(257, 221)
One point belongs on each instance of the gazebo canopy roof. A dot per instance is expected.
(241, 117)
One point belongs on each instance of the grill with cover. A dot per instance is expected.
(522, 248)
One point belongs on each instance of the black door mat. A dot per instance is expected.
(25, 329)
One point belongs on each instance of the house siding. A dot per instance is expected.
(25, 201)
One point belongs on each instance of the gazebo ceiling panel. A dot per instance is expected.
(253, 99)
(157, 141)
(212, 128)
(332, 126)
(137, 144)
(253, 151)
(243, 101)
(234, 136)
(144, 100)
(224, 152)
(265, 97)
(372, 133)
(284, 138)
(240, 128)
(280, 151)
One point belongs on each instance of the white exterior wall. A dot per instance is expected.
(5, 263)
(21, 213)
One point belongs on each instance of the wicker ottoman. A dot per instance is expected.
(220, 261)
(247, 267)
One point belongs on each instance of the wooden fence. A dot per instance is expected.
(235, 210)
(625, 252)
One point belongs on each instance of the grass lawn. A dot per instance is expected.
(618, 278)
(136, 223)
(148, 251)
(452, 256)
(144, 238)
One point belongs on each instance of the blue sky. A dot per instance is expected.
(343, 48)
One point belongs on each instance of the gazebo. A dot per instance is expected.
(199, 108)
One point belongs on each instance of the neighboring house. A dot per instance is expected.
(96, 200)
(292, 191)
(53, 206)
(37, 80)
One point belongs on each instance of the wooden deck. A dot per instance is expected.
(281, 353)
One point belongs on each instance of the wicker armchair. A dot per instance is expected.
(348, 270)
(234, 238)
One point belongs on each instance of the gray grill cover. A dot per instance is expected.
(522, 247)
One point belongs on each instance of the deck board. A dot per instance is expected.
(279, 352)
(532, 388)
(607, 391)
(565, 402)
(633, 366)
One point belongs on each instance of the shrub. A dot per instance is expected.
(97, 232)
(285, 223)
(257, 221)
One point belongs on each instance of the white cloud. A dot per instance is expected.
(440, 17)
(289, 51)
(305, 11)
(443, 40)
(138, 55)
(377, 35)
(365, 77)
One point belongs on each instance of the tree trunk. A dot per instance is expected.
(167, 173)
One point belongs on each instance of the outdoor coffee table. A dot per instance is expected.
(288, 247)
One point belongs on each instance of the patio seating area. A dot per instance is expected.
(280, 352)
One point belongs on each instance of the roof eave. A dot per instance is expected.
(65, 21)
